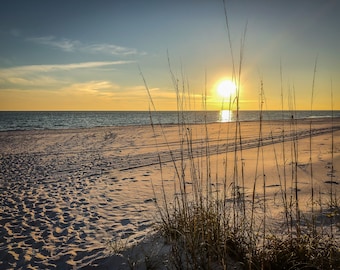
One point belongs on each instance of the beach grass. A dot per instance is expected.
(212, 222)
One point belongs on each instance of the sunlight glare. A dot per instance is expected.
(226, 89)
(226, 116)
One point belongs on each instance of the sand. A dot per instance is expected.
(69, 197)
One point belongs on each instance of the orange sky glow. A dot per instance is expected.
(93, 60)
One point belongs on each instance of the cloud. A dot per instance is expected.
(33, 82)
(137, 88)
(109, 49)
(22, 70)
(63, 44)
(46, 76)
(15, 32)
(91, 87)
(69, 45)
(81, 90)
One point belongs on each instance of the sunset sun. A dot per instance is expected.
(226, 89)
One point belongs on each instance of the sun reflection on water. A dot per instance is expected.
(226, 116)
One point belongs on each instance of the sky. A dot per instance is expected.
(141, 55)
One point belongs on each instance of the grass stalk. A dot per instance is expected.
(310, 149)
(284, 191)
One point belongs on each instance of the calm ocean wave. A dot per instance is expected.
(76, 119)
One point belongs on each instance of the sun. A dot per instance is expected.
(226, 89)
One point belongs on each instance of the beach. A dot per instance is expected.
(68, 195)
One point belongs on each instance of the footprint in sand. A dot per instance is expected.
(150, 200)
(331, 182)
(125, 221)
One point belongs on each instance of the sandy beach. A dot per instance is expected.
(67, 195)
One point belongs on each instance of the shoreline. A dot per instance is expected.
(314, 119)
(67, 194)
(304, 121)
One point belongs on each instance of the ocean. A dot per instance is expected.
(88, 119)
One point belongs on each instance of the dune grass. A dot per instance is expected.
(212, 223)
(209, 227)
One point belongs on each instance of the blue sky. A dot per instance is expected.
(85, 55)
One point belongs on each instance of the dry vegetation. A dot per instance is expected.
(213, 223)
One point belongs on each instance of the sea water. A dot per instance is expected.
(88, 119)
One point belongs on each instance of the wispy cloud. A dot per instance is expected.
(34, 82)
(63, 44)
(92, 87)
(47, 76)
(109, 49)
(69, 45)
(20, 70)
(15, 32)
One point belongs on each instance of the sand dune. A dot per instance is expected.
(65, 195)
